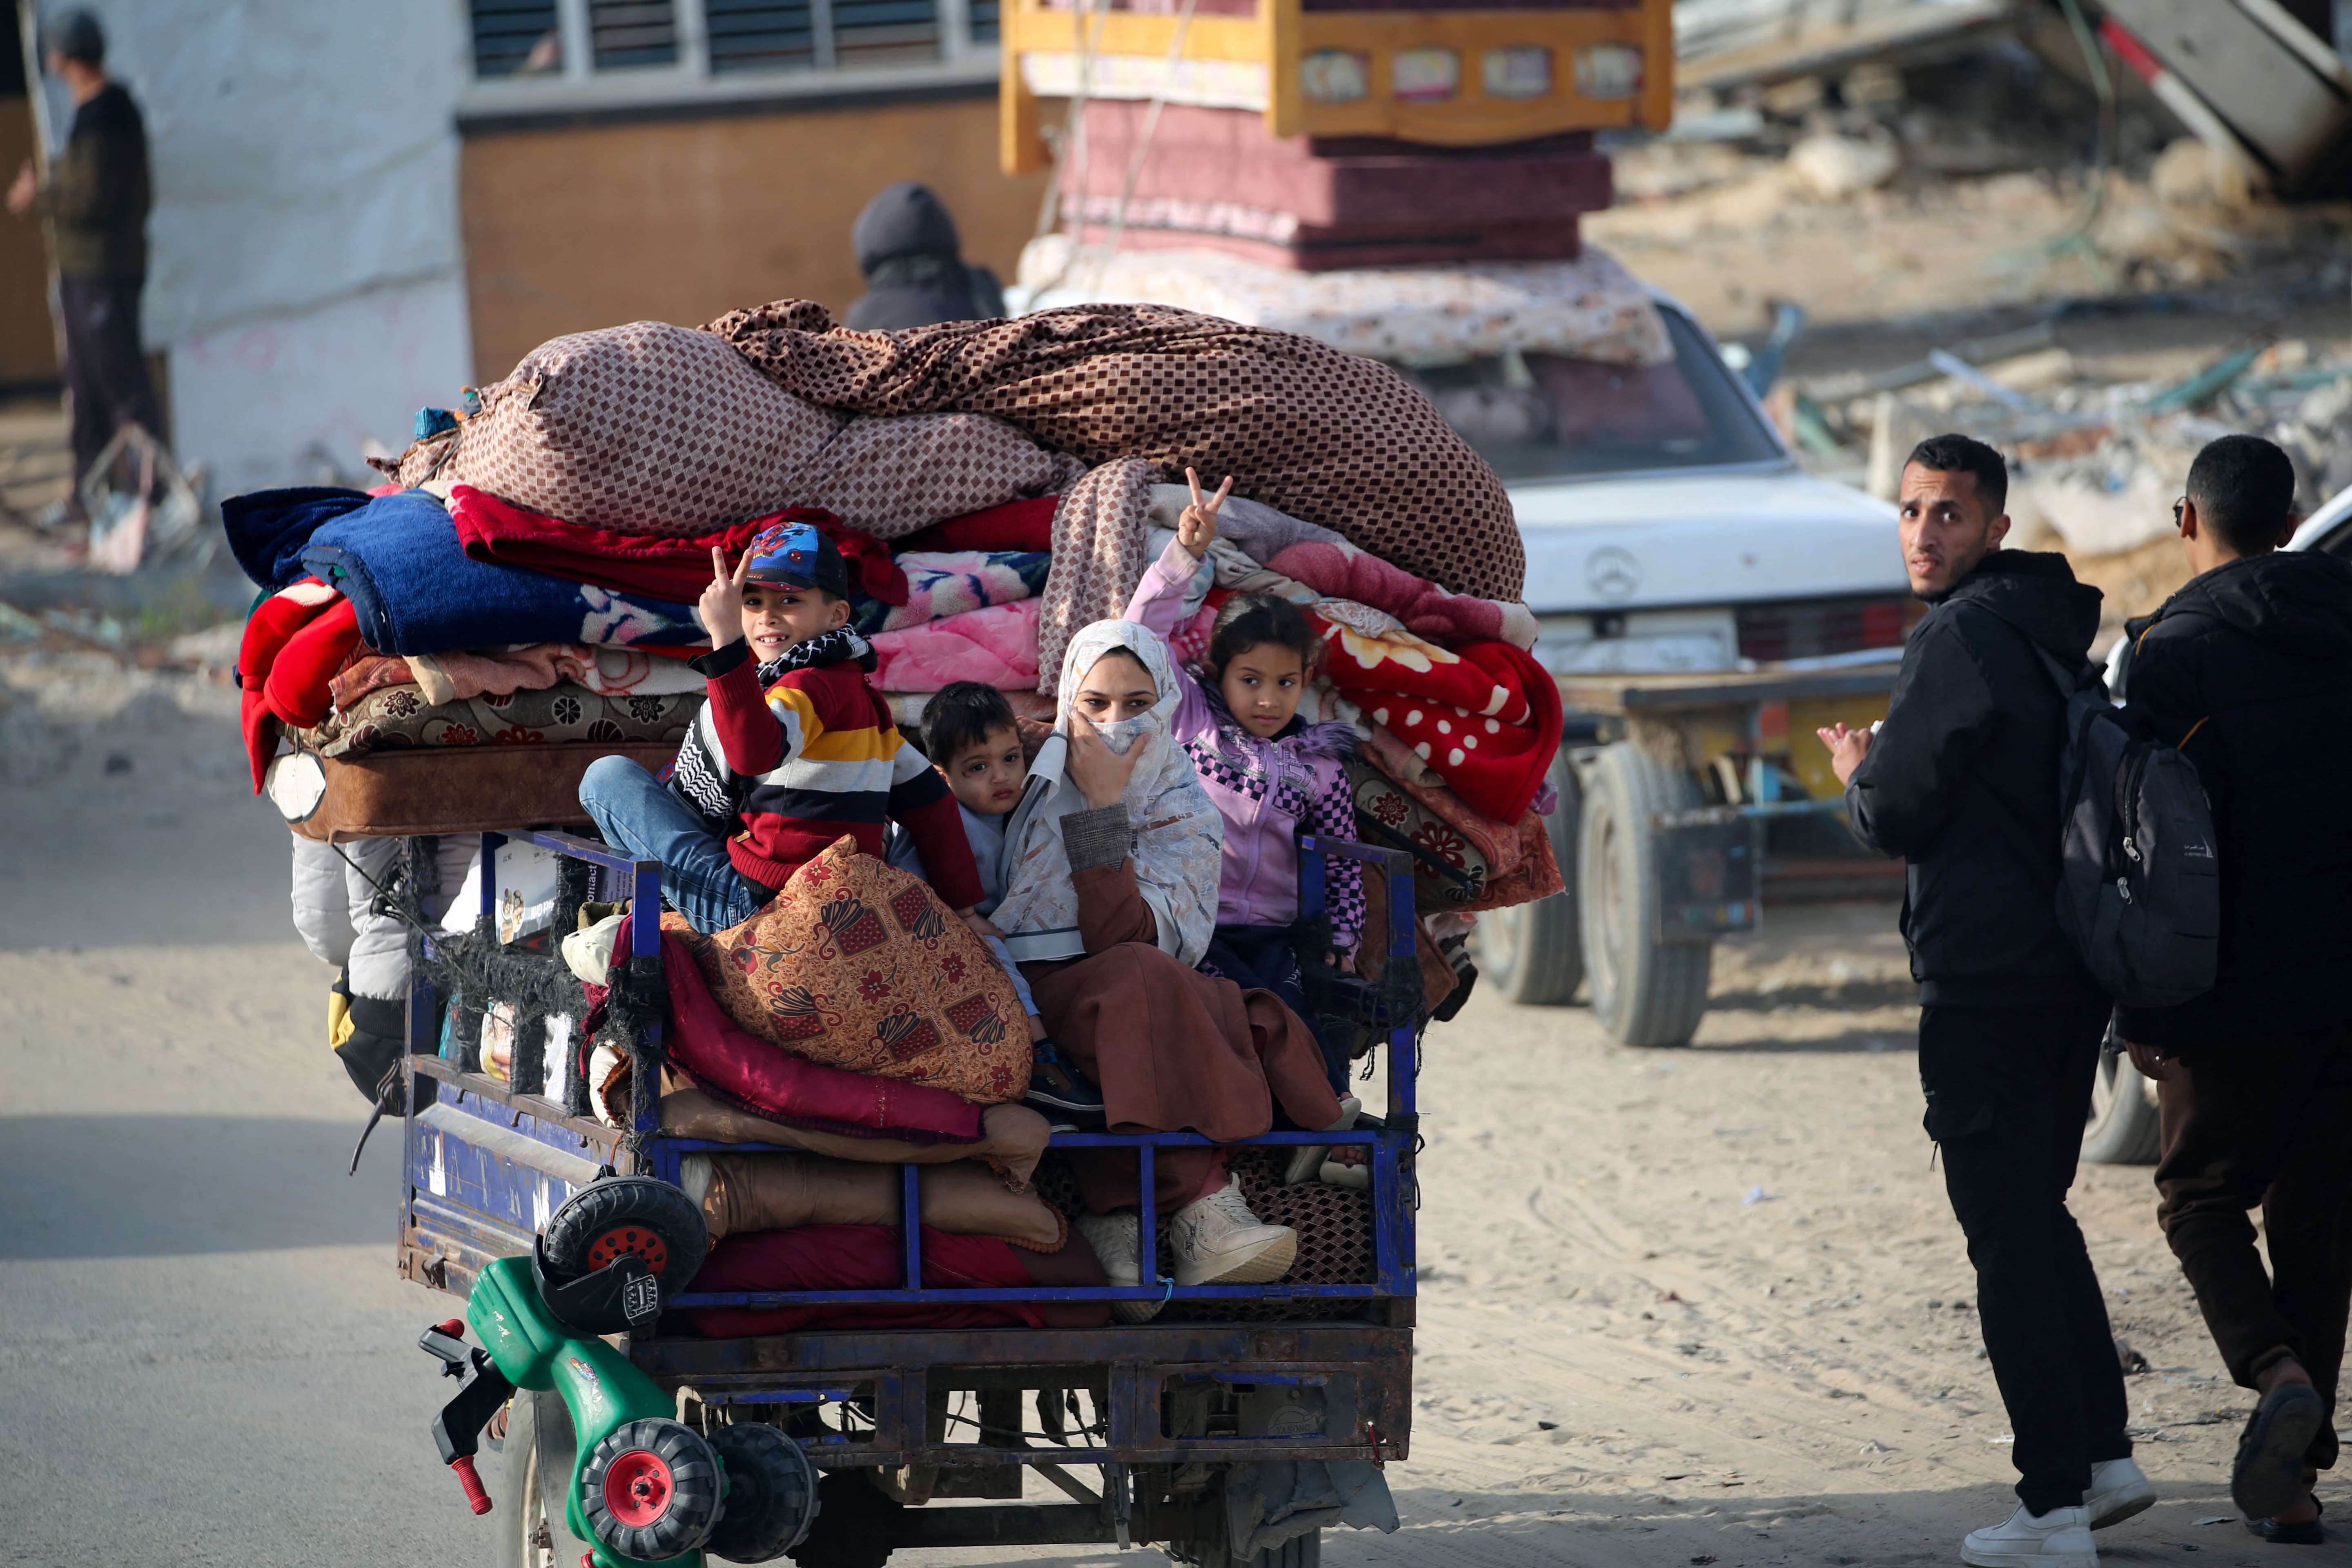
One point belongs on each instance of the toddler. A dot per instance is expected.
(794, 749)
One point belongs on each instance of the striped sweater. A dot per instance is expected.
(815, 756)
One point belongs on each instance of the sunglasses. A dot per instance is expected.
(2177, 507)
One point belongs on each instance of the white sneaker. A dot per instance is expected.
(1116, 1241)
(2059, 1538)
(2118, 1491)
(1217, 1241)
(1306, 1159)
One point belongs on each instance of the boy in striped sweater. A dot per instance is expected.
(795, 749)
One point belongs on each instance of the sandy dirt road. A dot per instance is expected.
(204, 1357)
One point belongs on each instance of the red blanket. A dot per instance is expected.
(858, 1258)
(1340, 571)
(744, 1070)
(675, 569)
(294, 642)
(1015, 525)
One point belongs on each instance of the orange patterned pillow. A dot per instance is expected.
(859, 966)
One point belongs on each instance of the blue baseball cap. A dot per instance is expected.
(796, 555)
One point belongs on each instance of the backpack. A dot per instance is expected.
(2140, 886)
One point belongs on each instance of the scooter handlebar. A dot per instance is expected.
(476, 1498)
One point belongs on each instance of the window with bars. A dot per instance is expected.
(516, 37)
(622, 33)
(761, 34)
(771, 35)
(986, 20)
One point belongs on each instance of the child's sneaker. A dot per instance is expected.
(1306, 1159)
(1057, 1088)
(1217, 1241)
(1115, 1238)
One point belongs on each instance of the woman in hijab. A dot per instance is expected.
(1111, 892)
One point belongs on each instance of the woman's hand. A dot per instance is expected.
(722, 604)
(1196, 528)
(980, 923)
(1100, 773)
(2152, 1062)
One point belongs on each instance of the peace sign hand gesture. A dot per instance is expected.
(722, 604)
(1196, 530)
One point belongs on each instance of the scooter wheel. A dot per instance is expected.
(771, 1494)
(628, 1213)
(650, 1490)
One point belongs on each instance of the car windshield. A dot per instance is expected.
(1537, 416)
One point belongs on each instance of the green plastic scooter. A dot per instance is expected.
(649, 1490)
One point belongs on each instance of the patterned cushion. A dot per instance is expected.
(858, 965)
(395, 718)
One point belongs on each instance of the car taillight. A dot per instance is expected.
(1811, 629)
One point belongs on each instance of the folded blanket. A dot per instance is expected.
(293, 643)
(731, 1064)
(1343, 572)
(663, 566)
(997, 646)
(267, 528)
(1015, 525)
(401, 718)
(399, 560)
(858, 1258)
(940, 584)
(1487, 718)
(453, 676)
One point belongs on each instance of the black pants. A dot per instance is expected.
(1267, 957)
(105, 369)
(2008, 1091)
(2268, 1123)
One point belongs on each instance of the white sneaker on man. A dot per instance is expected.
(1217, 1241)
(2059, 1538)
(1117, 1239)
(2118, 1491)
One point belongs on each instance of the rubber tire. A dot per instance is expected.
(1644, 992)
(1299, 1552)
(771, 1494)
(537, 1447)
(853, 1524)
(1534, 953)
(694, 1505)
(619, 1201)
(2122, 1128)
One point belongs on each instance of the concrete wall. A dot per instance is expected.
(682, 219)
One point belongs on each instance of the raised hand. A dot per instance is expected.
(1196, 528)
(722, 604)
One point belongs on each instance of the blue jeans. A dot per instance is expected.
(640, 816)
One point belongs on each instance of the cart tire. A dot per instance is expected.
(771, 1494)
(1534, 953)
(853, 1527)
(650, 1490)
(1299, 1552)
(534, 1482)
(628, 1213)
(1644, 992)
(2122, 1129)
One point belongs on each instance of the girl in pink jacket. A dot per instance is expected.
(1271, 775)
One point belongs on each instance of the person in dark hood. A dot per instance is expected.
(914, 266)
(2248, 671)
(1961, 780)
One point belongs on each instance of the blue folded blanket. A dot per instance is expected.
(398, 560)
(267, 529)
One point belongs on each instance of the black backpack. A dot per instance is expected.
(2140, 886)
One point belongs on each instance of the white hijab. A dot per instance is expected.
(1179, 836)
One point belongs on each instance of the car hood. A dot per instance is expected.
(1702, 539)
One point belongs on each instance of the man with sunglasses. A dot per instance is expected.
(2248, 671)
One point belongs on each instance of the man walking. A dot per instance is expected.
(1961, 780)
(96, 203)
(2248, 671)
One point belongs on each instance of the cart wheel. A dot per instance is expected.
(650, 1490)
(1533, 953)
(2122, 1129)
(535, 1479)
(628, 1213)
(853, 1524)
(771, 1494)
(1644, 992)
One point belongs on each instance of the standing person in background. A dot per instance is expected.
(96, 202)
(914, 266)
(1961, 780)
(2248, 671)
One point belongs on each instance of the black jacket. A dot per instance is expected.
(2252, 664)
(99, 191)
(915, 271)
(1962, 782)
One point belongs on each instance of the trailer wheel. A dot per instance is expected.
(628, 1213)
(2122, 1129)
(1534, 953)
(771, 1494)
(650, 1490)
(534, 1482)
(1645, 992)
(853, 1524)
